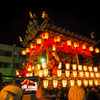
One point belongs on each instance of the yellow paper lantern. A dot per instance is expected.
(74, 66)
(96, 50)
(91, 48)
(90, 68)
(40, 73)
(80, 67)
(44, 65)
(59, 72)
(79, 82)
(86, 74)
(64, 83)
(23, 52)
(85, 68)
(39, 41)
(67, 66)
(81, 74)
(67, 73)
(69, 42)
(72, 82)
(92, 74)
(95, 69)
(74, 73)
(45, 83)
(91, 82)
(85, 82)
(45, 72)
(55, 83)
(83, 46)
(96, 82)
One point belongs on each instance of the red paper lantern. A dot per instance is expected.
(96, 50)
(45, 35)
(57, 39)
(76, 44)
(32, 46)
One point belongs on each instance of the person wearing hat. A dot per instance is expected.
(76, 93)
(11, 92)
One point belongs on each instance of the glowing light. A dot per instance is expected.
(45, 83)
(64, 83)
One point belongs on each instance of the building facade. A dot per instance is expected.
(11, 59)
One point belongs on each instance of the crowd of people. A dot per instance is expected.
(14, 92)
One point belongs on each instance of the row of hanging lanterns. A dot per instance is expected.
(45, 36)
(68, 83)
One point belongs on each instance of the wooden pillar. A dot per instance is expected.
(77, 59)
(48, 55)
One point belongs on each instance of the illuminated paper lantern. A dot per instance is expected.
(64, 83)
(59, 72)
(33, 46)
(67, 66)
(80, 67)
(96, 50)
(40, 73)
(76, 44)
(91, 82)
(81, 74)
(85, 82)
(57, 39)
(28, 50)
(55, 83)
(85, 68)
(45, 72)
(90, 68)
(83, 46)
(72, 82)
(74, 73)
(39, 41)
(69, 42)
(95, 69)
(74, 66)
(91, 48)
(23, 52)
(45, 83)
(96, 82)
(86, 74)
(44, 65)
(45, 35)
(97, 75)
(92, 74)
(79, 82)
(67, 73)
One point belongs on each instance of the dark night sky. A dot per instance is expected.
(80, 17)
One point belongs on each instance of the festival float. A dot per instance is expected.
(54, 57)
